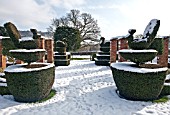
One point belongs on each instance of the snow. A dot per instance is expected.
(150, 27)
(83, 89)
(21, 68)
(26, 50)
(101, 55)
(81, 56)
(4, 37)
(26, 39)
(118, 37)
(129, 66)
(136, 51)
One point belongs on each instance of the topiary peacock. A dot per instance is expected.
(148, 36)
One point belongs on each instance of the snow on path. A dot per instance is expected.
(83, 89)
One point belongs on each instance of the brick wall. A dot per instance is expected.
(113, 50)
(163, 59)
(49, 47)
(2, 58)
(123, 45)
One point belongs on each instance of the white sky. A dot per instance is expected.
(114, 17)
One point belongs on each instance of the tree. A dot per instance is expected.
(84, 22)
(72, 35)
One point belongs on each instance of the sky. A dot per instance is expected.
(114, 17)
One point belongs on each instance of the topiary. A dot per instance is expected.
(3, 31)
(148, 36)
(13, 33)
(138, 85)
(157, 44)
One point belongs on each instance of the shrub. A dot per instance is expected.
(29, 44)
(13, 33)
(138, 57)
(30, 86)
(157, 44)
(139, 86)
(3, 32)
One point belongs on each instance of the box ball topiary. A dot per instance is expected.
(30, 84)
(137, 84)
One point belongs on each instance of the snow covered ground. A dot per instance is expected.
(83, 89)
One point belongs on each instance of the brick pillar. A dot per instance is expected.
(41, 45)
(2, 58)
(123, 45)
(50, 50)
(113, 50)
(163, 59)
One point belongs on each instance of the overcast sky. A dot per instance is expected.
(115, 17)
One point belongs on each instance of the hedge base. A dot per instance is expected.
(4, 90)
(102, 62)
(62, 62)
(138, 84)
(102, 58)
(62, 59)
(30, 84)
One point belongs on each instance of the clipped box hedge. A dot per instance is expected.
(4, 90)
(29, 44)
(138, 56)
(60, 49)
(138, 85)
(62, 62)
(157, 44)
(30, 86)
(105, 49)
(28, 56)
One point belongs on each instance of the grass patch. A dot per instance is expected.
(161, 100)
(1, 70)
(79, 58)
(52, 93)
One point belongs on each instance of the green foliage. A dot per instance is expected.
(93, 56)
(30, 86)
(157, 44)
(1, 70)
(105, 49)
(165, 90)
(139, 86)
(161, 100)
(3, 31)
(52, 93)
(31, 44)
(138, 57)
(7, 45)
(4, 90)
(60, 49)
(13, 33)
(141, 43)
(28, 57)
(72, 35)
(65, 62)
